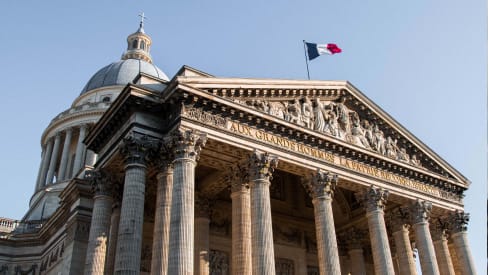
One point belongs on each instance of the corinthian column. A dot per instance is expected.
(64, 156)
(374, 201)
(420, 212)
(188, 145)
(100, 223)
(439, 237)
(321, 188)
(459, 228)
(399, 220)
(114, 228)
(129, 241)
(241, 222)
(354, 239)
(80, 149)
(159, 262)
(202, 234)
(54, 159)
(46, 157)
(261, 167)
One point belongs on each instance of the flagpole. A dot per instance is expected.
(306, 58)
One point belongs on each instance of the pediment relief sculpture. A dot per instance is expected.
(335, 118)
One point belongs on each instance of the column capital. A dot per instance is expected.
(203, 206)
(399, 219)
(261, 166)
(238, 177)
(137, 149)
(439, 228)
(374, 199)
(322, 185)
(188, 143)
(100, 182)
(458, 221)
(420, 211)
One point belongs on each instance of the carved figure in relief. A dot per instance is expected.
(276, 109)
(294, 112)
(368, 133)
(332, 126)
(403, 156)
(357, 131)
(414, 161)
(343, 116)
(319, 115)
(307, 113)
(380, 140)
(391, 148)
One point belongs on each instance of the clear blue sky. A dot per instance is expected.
(424, 62)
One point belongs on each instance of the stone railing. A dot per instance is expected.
(8, 225)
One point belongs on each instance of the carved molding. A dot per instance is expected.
(420, 211)
(261, 166)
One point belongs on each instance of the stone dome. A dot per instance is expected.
(121, 73)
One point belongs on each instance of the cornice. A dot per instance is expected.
(247, 116)
(246, 89)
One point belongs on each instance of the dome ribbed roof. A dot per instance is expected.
(121, 73)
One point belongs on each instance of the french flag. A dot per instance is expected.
(316, 50)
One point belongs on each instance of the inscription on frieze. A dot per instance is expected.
(313, 152)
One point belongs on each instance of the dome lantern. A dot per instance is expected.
(138, 44)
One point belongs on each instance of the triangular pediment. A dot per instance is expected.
(333, 108)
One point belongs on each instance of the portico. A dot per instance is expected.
(277, 191)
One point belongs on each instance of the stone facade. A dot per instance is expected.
(209, 175)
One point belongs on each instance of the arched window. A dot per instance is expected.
(106, 99)
(134, 44)
(143, 45)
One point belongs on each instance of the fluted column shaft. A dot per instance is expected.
(442, 253)
(322, 190)
(202, 236)
(45, 163)
(100, 225)
(64, 156)
(241, 229)
(404, 251)
(460, 241)
(459, 223)
(187, 148)
(358, 266)
(129, 241)
(112, 243)
(80, 149)
(54, 159)
(375, 201)
(261, 167)
(159, 262)
(420, 214)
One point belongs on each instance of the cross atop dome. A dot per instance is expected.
(141, 23)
